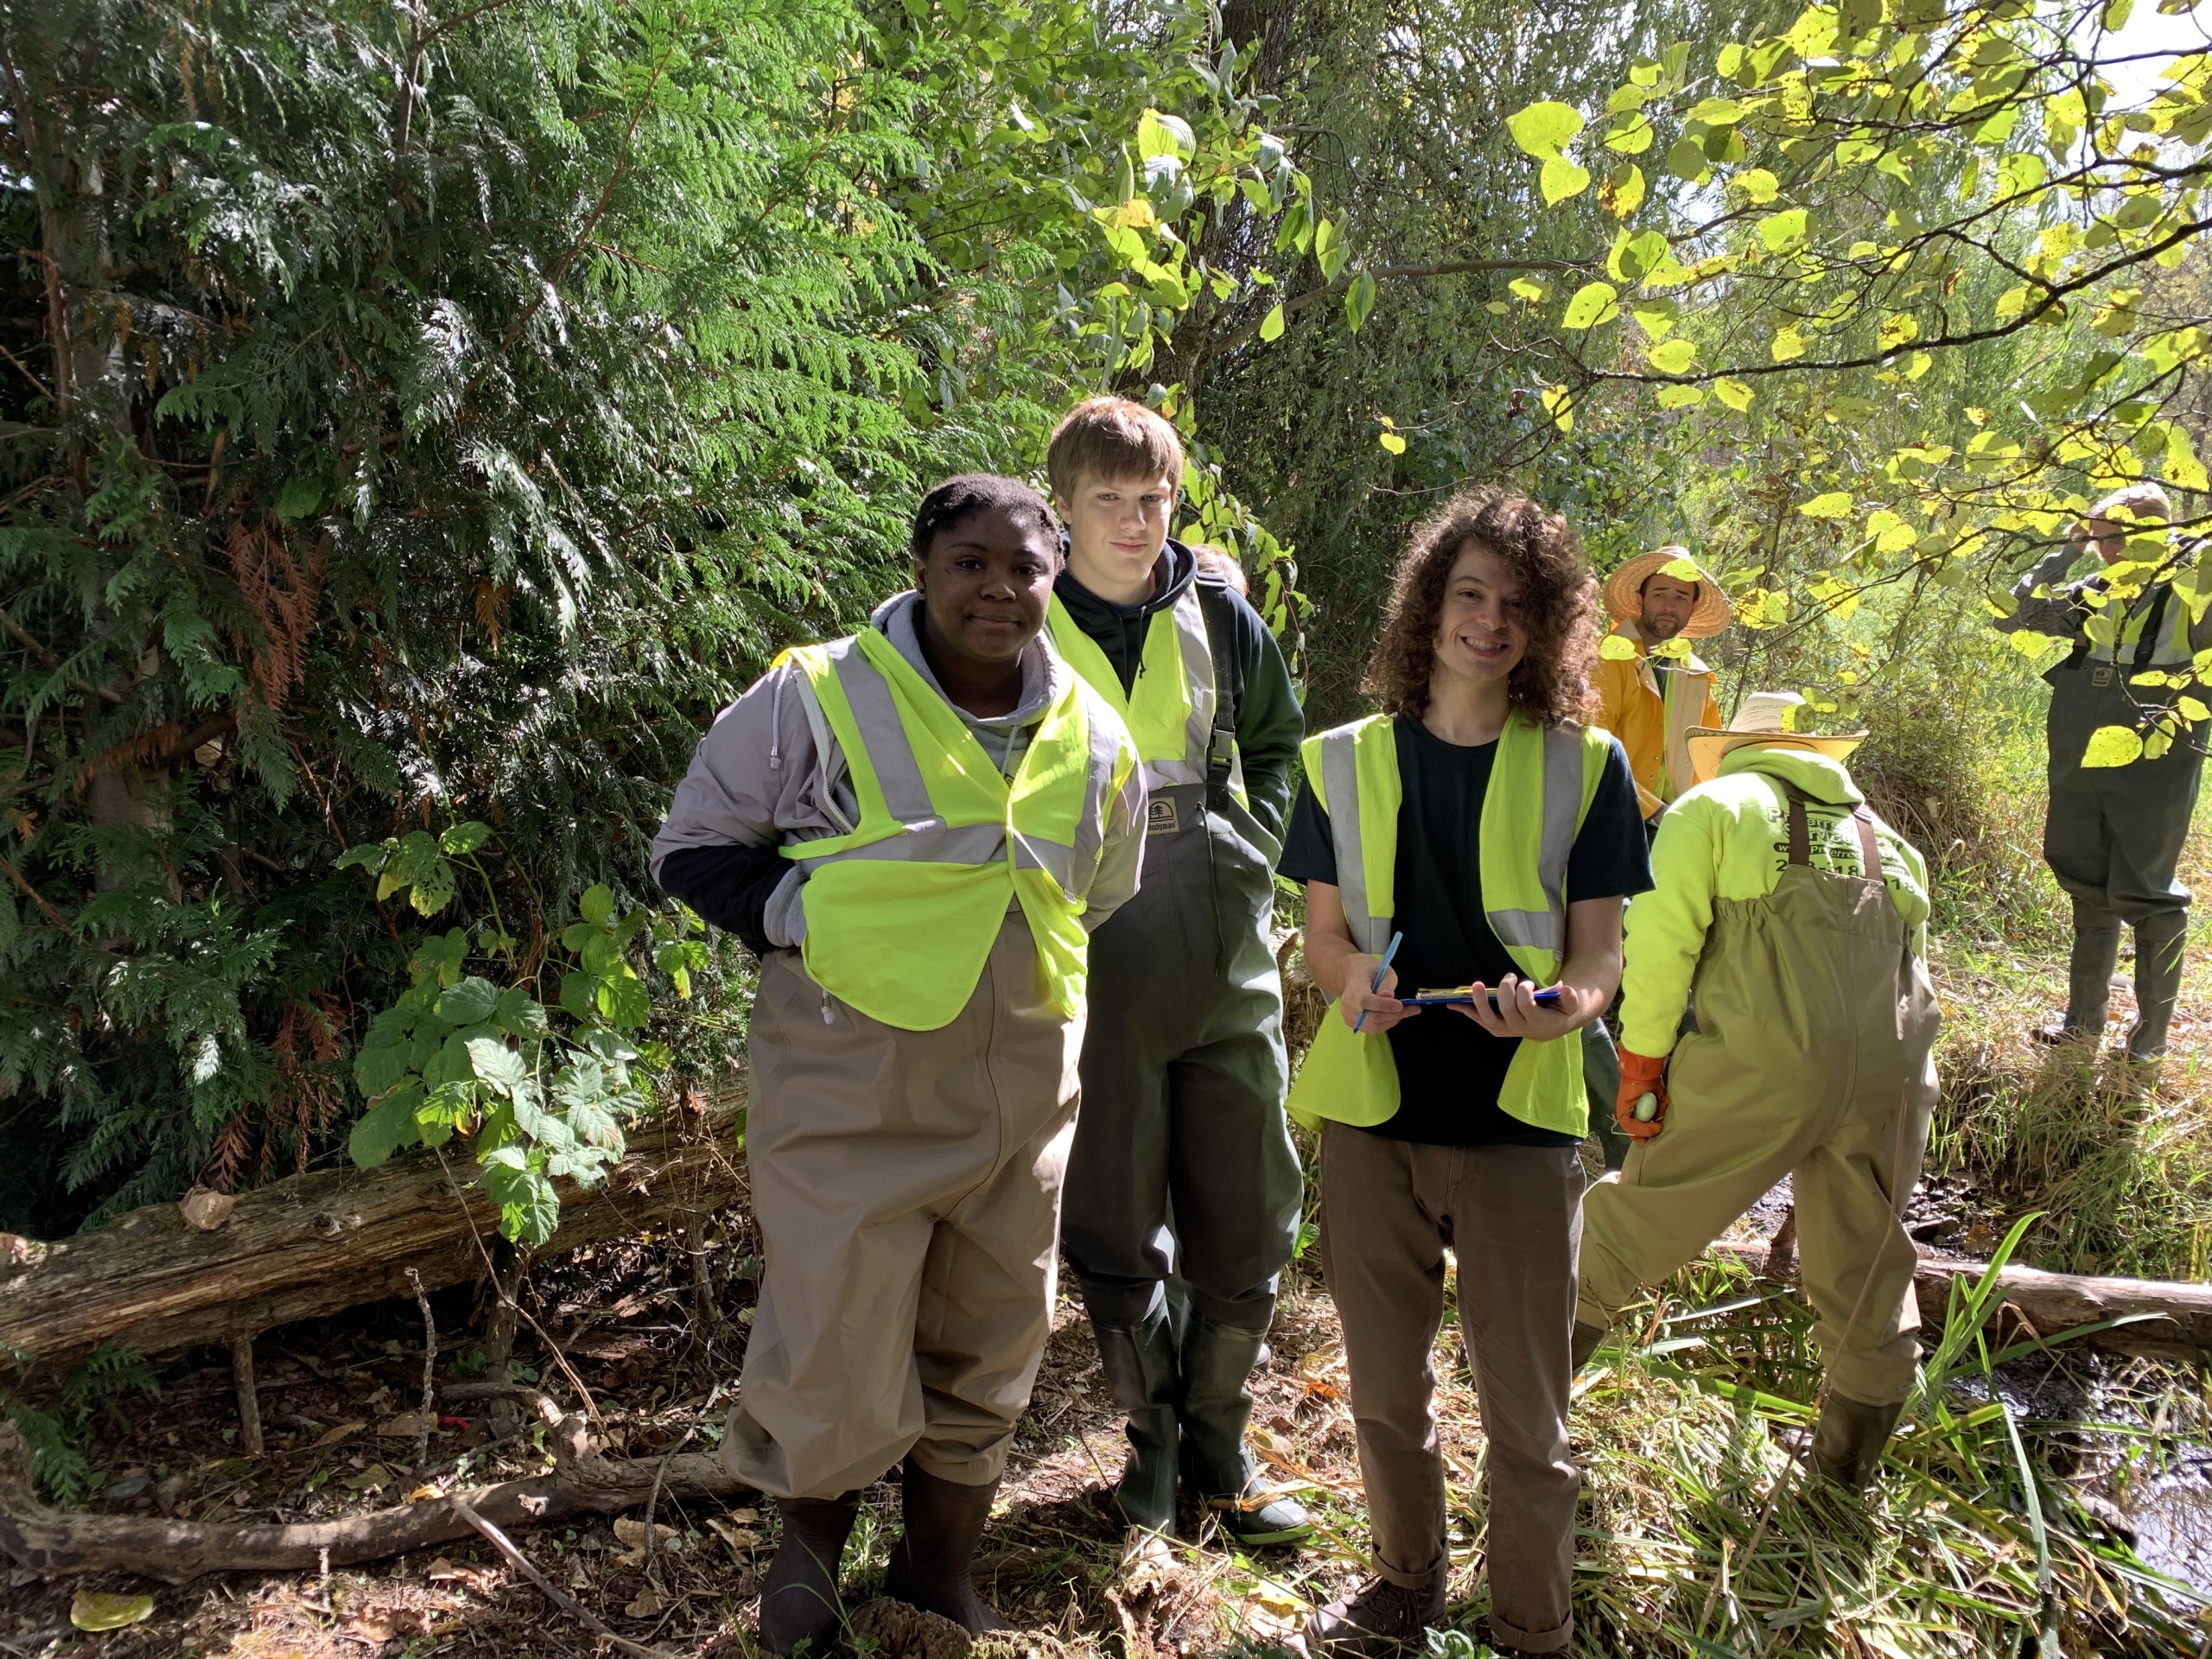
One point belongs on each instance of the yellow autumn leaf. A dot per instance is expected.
(2112, 746)
(94, 1609)
(1561, 179)
(1614, 648)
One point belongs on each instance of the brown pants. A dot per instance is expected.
(907, 1186)
(1512, 1215)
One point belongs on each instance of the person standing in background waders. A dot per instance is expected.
(1798, 921)
(2113, 834)
(1651, 689)
(1475, 820)
(1182, 1165)
(915, 828)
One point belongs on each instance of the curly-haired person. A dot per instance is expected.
(1477, 822)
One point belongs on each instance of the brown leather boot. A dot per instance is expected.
(800, 1609)
(1375, 1619)
(930, 1567)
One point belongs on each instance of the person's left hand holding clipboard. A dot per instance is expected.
(1515, 1011)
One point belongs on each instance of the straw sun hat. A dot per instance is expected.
(1625, 597)
(1760, 720)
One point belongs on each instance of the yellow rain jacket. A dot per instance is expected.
(1729, 839)
(1651, 723)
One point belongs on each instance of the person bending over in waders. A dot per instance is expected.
(1477, 828)
(915, 828)
(1651, 689)
(1797, 919)
(1182, 1170)
(2113, 834)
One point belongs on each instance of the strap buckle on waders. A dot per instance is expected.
(1800, 838)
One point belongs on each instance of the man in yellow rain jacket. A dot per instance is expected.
(1651, 689)
(1799, 921)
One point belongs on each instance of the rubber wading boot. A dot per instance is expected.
(1140, 1365)
(2158, 943)
(2088, 976)
(929, 1566)
(1377, 1618)
(1215, 1410)
(800, 1609)
(1585, 1341)
(1849, 1441)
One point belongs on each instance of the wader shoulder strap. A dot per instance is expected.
(1801, 839)
(1221, 751)
(2146, 644)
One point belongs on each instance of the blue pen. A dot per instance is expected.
(1381, 969)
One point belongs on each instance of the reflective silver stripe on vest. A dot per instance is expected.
(967, 844)
(1190, 622)
(1098, 789)
(905, 794)
(1340, 785)
(928, 839)
(1546, 929)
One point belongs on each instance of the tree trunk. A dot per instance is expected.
(2050, 1304)
(316, 1244)
(54, 1541)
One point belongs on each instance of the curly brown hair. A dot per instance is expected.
(1559, 600)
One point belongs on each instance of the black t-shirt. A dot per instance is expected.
(1450, 1070)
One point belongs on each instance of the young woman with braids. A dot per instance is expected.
(1474, 818)
(915, 828)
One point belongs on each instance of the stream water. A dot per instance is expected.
(2133, 1437)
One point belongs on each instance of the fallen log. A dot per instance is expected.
(2179, 1324)
(313, 1245)
(57, 1542)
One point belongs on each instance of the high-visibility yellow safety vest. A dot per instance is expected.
(2148, 632)
(1541, 787)
(902, 912)
(1172, 707)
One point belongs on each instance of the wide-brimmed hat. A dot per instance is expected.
(1624, 590)
(1761, 721)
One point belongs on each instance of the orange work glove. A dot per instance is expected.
(1641, 1075)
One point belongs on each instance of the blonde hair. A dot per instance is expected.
(1114, 438)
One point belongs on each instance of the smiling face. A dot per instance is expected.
(1480, 635)
(1668, 603)
(1117, 527)
(985, 583)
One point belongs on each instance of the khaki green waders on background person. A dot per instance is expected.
(2113, 836)
(924, 955)
(1798, 921)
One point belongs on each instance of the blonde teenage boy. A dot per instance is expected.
(1182, 1166)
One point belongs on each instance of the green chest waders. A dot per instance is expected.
(2113, 836)
(1182, 1168)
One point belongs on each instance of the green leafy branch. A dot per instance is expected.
(541, 1094)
